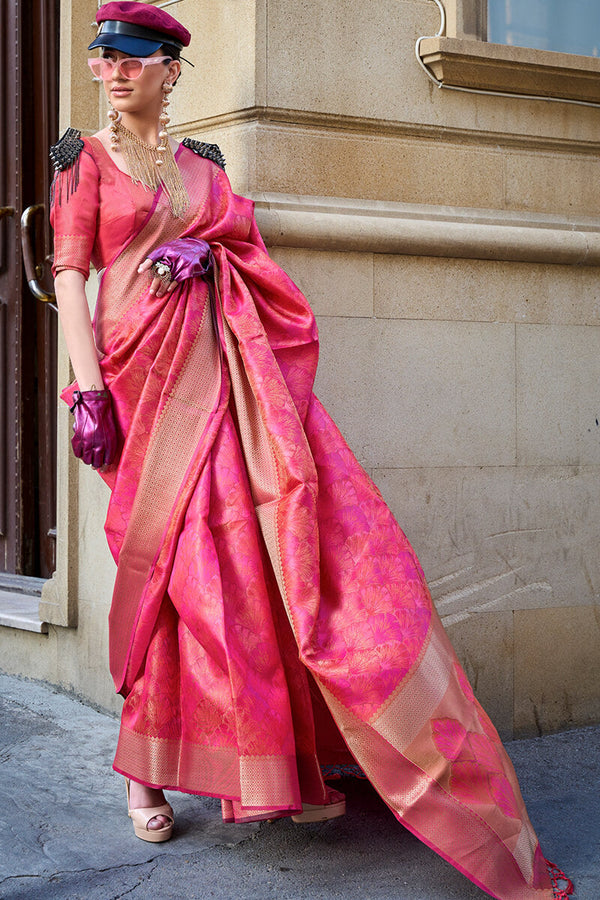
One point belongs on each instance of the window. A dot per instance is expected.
(509, 46)
(570, 26)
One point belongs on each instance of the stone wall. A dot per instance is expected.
(461, 366)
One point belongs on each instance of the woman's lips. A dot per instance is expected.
(120, 92)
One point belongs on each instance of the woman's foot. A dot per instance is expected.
(335, 806)
(152, 816)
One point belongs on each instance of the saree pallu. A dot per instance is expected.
(269, 615)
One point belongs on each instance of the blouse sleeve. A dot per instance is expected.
(73, 214)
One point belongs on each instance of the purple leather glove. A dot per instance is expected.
(94, 432)
(185, 258)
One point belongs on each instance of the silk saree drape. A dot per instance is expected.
(266, 603)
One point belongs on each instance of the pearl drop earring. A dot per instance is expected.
(164, 119)
(115, 118)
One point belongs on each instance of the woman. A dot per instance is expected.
(269, 616)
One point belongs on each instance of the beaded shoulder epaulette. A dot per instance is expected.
(209, 151)
(65, 158)
(64, 153)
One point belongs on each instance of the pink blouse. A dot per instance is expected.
(92, 223)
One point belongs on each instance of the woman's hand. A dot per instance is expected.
(94, 432)
(159, 286)
(175, 261)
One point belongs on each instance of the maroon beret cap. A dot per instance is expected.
(140, 21)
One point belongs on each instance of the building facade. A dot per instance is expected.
(436, 198)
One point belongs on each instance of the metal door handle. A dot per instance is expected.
(33, 271)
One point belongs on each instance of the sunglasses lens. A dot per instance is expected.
(131, 68)
(97, 67)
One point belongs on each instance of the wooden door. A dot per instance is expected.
(28, 125)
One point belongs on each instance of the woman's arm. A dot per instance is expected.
(69, 286)
(95, 439)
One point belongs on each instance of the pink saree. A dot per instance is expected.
(269, 616)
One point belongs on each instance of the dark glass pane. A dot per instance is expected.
(572, 26)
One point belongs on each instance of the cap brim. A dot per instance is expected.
(126, 44)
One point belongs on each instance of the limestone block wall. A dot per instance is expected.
(463, 375)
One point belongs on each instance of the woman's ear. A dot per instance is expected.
(174, 71)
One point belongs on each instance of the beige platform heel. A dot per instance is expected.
(141, 817)
(335, 806)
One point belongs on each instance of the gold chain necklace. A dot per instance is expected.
(152, 166)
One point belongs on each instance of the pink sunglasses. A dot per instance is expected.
(130, 68)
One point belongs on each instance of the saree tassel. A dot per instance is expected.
(562, 886)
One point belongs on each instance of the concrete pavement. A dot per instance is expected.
(64, 834)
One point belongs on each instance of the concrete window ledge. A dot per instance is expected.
(518, 70)
(20, 602)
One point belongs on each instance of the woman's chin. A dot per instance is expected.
(118, 98)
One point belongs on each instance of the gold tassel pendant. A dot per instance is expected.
(152, 165)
